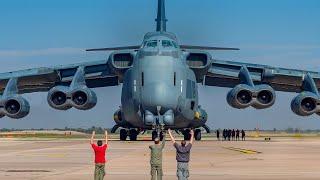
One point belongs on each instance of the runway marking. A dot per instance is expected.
(245, 151)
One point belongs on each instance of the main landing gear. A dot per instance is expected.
(132, 133)
(187, 135)
(155, 135)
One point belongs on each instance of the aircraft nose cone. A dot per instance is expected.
(158, 94)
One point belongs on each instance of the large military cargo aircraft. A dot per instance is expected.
(159, 81)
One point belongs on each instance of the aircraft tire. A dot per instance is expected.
(197, 135)
(133, 135)
(186, 135)
(154, 135)
(161, 136)
(123, 135)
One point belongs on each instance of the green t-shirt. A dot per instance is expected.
(156, 153)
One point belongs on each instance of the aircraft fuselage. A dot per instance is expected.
(160, 88)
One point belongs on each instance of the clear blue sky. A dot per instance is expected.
(284, 33)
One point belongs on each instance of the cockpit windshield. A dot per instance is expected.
(151, 44)
(166, 43)
(163, 43)
(175, 44)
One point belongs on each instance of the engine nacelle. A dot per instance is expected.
(15, 107)
(305, 104)
(118, 118)
(259, 97)
(121, 61)
(58, 98)
(83, 98)
(200, 62)
(241, 96)
(264, 97)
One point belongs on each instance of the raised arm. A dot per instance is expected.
(106, 136)
(192, 136)
(171, 136)
(92, 137)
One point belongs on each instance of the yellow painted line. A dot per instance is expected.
(245, 151)
(57, 155)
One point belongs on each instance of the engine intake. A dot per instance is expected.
(305, 104)
(83, 98)
(121, 61)
(240, 97)
(58, 98)
(16, 107)
(265, 97)
(199, 62)
(259, 97)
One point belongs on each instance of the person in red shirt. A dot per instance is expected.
(100, 156)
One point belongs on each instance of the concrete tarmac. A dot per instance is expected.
(281, 158)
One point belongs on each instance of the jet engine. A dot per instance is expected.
(265, 97)
(240, 97)
(117, 117)
(58, 98)
(16, 107)
(83, 98)
(259, 97)
(305, 104)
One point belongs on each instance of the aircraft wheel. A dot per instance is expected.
(133, 134)
(186, 135)
(123, 134)
(161, 136)
(154, 135)
(197, 134)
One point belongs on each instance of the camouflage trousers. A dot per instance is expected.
(99, 172)
(156, 172)
(182, 170)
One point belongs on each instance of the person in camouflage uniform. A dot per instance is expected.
(156, 158)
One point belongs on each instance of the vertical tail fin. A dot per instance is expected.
(161, 17)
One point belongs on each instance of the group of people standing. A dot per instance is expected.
(182, 156)
(231, 135)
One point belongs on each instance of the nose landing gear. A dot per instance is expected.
(132, 133)
(157, 132)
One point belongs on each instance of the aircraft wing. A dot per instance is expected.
(97, 74)
(226, 74)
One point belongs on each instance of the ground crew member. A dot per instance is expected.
(156, 158)
(100, 153)
(233, 134)
(243, 135)
(225, 134)
(182, 156)
(237, 135)
(218, 134)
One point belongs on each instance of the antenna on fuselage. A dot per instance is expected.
(161, 17)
